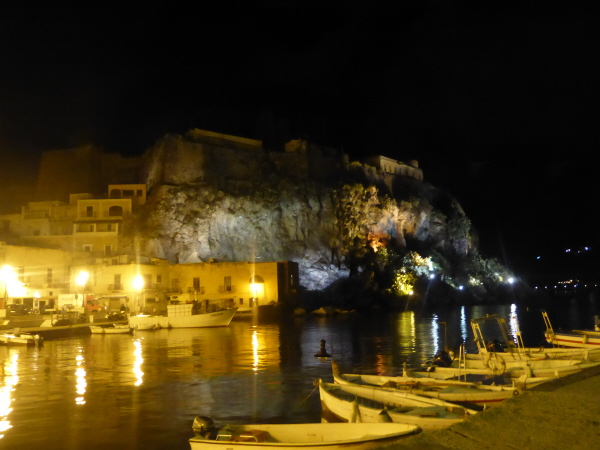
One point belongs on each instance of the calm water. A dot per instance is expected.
(143, 391)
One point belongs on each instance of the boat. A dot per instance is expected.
(459, 392)
(353, 403)
(111, 329)
(585, 339)
(330, 436)
(182, 316)
(20, 338)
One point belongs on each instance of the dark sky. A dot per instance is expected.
(496, 102)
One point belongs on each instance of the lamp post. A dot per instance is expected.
(81, 281)
(138, 285)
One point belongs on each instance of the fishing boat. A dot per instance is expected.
(111, 329)
(588, 339)
(459, 392)
(354, 403)
(19, 338)
(182, 316)
(330, 436)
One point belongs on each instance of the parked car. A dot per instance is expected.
(19, 310)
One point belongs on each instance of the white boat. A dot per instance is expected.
(181, 316)
(19, 338)
(353, 403)
(588, 339)
(459, 392)
(112, 329)
(330, 436)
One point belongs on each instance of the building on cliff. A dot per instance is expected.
(394, 167)
(86, 223)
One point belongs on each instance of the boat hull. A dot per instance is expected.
(117, 329)
(589, 339)
(19, 339)
(353, 403)
(331, 436)
(213, 319)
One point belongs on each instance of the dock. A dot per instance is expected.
(561, 414)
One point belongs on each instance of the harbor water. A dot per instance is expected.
(142, 391)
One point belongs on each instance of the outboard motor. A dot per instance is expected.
(204, 427)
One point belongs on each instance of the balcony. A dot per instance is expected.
(224, 289)
(191, 290)
(115, 287)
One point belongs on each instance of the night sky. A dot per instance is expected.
(496, 102)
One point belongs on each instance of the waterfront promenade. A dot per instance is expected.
(562, 414)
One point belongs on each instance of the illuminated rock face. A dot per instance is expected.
(239, 204)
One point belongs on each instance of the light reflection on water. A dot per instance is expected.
(143, 391)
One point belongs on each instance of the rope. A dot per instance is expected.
(306, 398)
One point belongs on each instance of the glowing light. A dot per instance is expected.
(82, 278)
(511, 280)
(568, 250)
(138, 282)
(137, 365)
(12, 285)
(460, 288)
(538, 257)
(257, 289)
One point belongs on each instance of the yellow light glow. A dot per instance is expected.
(81, 383)
(138, 282)
(255, 349)
(11, 379)
(82, 278)
(257, 289)
(137, 365)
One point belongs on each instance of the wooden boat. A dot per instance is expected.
(589, 339)
(181, 316)
(112, 329)
(459, 392)
(330, 436)
(19, 338)
(353, 403)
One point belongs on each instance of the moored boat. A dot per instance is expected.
(19, 338)
(330, 436)
(588, 339)
(459, 392)
(353, 403)
(111, 329)
(182, 316)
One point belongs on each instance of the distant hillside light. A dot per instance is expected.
(511, 280)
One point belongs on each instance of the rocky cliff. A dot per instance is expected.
(227, 204)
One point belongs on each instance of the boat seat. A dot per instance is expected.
(252, 436)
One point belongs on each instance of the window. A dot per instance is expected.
(87, 248)
(196, 283)
(148, 281)
(115, 211)
(175, 285)
(139, 192)
(227, 284)
(109, 227)
(159, 278)
(89, 211)
(49, 276)
(21, 274)
(107, 250)
(115, 193)
(128, 193)
(36, 232)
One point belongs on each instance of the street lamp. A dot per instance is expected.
(138, 285)
(81, 281)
